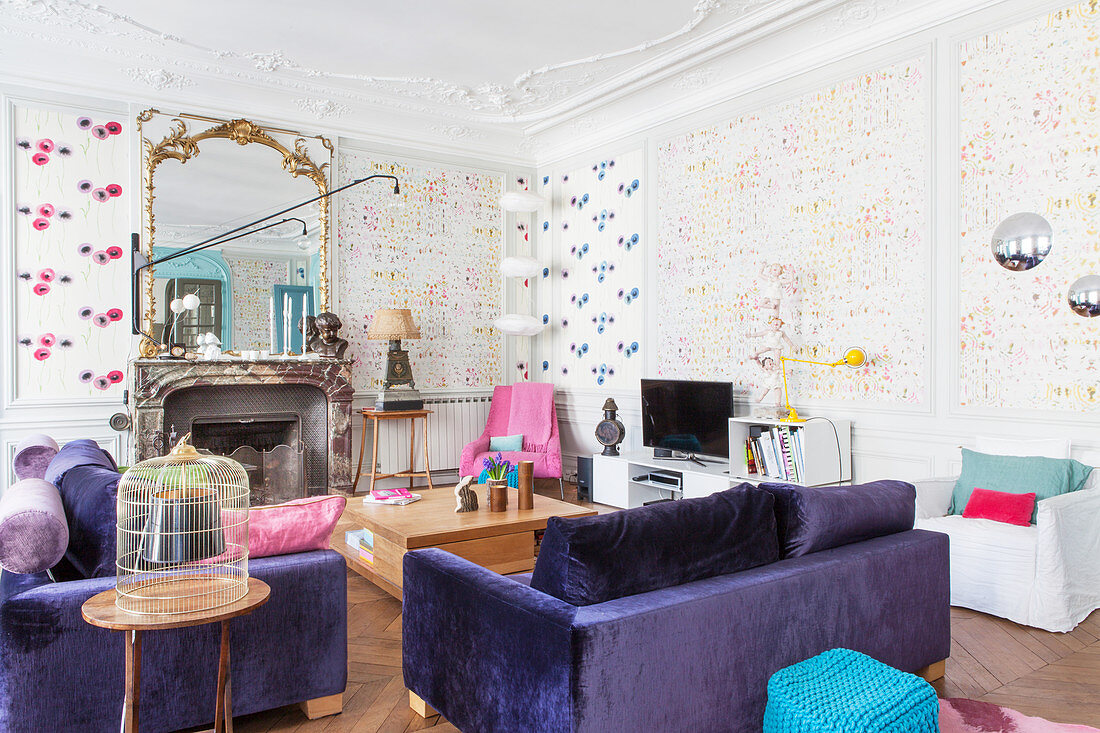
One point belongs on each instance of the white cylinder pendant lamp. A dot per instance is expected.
(515, 324)
(521, 201)
(520, 267)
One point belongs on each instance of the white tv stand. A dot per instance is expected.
(826, 459)
(616, 480)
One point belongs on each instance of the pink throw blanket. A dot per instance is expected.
(532, 412)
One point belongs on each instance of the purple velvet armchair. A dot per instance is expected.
(525, 408)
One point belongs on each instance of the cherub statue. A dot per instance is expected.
(210, 346)
(776, 280)
(467, 499)
(772, 380)
(328, 342)
(309, 335)
(774, 339)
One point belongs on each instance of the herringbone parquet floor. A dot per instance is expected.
(1055, 676)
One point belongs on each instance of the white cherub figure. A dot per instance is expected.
(772, 380)
(774, 339)
(776, 280)
(211, 346)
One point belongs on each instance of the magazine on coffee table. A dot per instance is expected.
(394, 497)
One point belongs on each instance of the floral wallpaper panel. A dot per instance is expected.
(1028, 143)
(602, 253)
(434, 248)
(72, 244)
(832, 187)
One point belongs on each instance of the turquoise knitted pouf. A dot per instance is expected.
(512, 476)
(842, 691)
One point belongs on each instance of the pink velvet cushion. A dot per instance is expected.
(300, 525)
(1000, 506)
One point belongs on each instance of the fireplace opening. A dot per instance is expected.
(278, 432)
(223, 434)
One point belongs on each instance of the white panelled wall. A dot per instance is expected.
(901, 439)
(67, 418)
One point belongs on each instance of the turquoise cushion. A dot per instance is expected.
(506, 443)
(843, 691)
(512, 476)
(1047, 477)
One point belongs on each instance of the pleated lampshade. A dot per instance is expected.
(393, 323)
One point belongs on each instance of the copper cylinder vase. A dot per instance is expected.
(526, 484)
(498, 494)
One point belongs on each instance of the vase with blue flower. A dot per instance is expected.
(497, 481)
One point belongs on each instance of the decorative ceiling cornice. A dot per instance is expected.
(163, 60)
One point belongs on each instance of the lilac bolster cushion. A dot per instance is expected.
(590, 560)
(32, 455)
(810, 519)
(33, 531)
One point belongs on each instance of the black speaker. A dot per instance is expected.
(584, 478)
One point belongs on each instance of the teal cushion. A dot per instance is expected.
(1047, 477)
(506, 443)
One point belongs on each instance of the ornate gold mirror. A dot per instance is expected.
(203, 177)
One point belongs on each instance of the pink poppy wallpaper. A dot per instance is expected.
(72, 310)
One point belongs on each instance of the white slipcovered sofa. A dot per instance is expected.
(1045, 575)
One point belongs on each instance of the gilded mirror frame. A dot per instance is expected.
(182, 145)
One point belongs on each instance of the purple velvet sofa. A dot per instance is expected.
(59, 673)
(673, 616)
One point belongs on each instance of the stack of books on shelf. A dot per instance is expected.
(775, 452)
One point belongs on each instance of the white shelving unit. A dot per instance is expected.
(824, 458)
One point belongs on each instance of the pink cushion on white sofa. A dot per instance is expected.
(300, 525)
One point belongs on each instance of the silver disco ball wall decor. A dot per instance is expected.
(1084, 296)
(1022, 241)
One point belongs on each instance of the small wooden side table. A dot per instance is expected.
(100, 610)
(377, 417)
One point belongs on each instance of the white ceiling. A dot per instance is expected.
(467, 42)
(464, 65)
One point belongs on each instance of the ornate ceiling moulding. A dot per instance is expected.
(534, 95)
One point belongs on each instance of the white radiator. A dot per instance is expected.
(454, 422)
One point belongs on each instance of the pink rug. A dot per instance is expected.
(959, 715)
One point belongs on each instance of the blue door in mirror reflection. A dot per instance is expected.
(294, 300)
(197, 266)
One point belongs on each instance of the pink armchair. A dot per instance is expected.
(527, 408)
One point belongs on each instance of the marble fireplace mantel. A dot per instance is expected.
(155, 379)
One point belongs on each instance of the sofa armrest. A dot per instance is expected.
(469, 453)
(1067, 570)
(487, 652)
(934, 497)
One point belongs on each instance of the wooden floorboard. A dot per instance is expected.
(1054, 676)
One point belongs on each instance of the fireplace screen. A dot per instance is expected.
(267, 446)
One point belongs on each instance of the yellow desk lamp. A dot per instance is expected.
(854, 358)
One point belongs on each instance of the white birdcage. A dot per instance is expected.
(182, 533)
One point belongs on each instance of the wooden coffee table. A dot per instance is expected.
(503, 542)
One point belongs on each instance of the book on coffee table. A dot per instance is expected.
(395, 497)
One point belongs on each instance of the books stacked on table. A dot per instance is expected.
(361, 541)
(397, 497)
(776, 452)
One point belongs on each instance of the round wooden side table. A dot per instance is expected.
(100, 610)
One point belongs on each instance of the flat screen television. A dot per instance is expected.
(688, 417)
